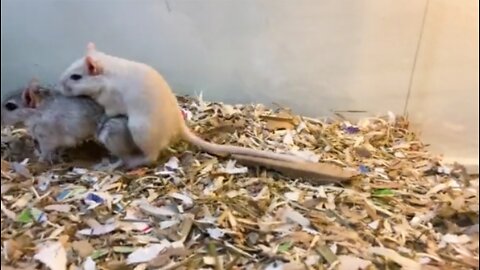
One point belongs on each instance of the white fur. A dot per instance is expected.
(138, 91)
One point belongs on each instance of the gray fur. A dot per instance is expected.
(59, 121)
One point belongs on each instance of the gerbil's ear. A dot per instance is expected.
(91, 47)
(93, 66)
(31, 95)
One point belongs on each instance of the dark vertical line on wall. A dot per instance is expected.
(415, 58)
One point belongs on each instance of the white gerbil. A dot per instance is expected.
(56, 121)
(137, 90)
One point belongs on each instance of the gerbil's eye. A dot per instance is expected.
(10, 106)
(75, 77)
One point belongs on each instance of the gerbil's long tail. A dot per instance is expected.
(317, 173)
(224, 150)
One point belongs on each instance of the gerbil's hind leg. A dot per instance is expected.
(137, 161)
(149, 140)
(119, 163)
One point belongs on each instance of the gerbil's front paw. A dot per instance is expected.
(46, 158)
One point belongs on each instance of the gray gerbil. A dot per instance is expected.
(56, 121)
